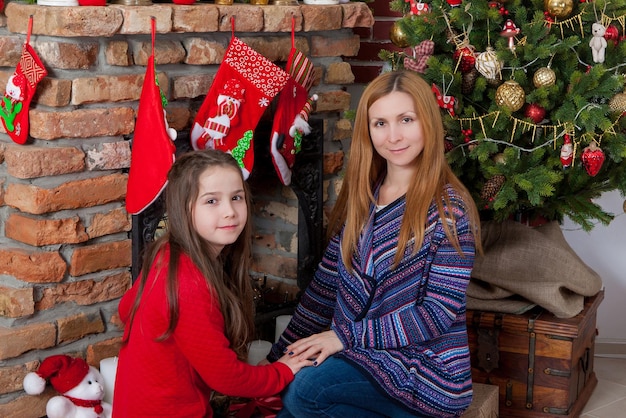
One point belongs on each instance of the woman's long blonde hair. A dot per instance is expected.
(227, 275)
(366, 167)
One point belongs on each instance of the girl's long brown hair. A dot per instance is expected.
(227, 274)
(366, 167)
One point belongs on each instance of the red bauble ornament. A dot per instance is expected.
(592, 158)
(535, 112)
(454, 3)
(464, 55)
(612, 34)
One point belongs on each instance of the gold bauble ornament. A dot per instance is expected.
(618, 103)
(558, 8)
(544, 77)
(510, 95)
(397, 36)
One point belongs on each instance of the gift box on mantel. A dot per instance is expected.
(542, 365)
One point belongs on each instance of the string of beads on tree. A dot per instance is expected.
(533, 97)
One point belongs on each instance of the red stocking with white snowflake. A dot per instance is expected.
(20, 90)
(292, 113)
(243, 87)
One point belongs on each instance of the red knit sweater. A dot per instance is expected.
(175, 378)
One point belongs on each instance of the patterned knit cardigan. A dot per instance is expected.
(403, 327)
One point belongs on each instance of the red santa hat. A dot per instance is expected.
(233, 88)
(63, 372)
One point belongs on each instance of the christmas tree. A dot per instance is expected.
(532, 93)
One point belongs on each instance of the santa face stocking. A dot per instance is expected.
(19, 92)
(292, 115)
(243, 87)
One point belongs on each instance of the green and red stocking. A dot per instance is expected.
(19, 92)
(243, 87)
(292, 114)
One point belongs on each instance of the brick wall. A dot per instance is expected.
(366, 65)
(65, 251)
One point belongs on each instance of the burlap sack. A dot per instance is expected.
(526, 266)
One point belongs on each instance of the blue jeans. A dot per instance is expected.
(337, 389)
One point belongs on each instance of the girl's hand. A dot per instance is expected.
(318, 347)
(295, 363)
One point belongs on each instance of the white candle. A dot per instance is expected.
(258, 350)
(108, 370)
(281, 323)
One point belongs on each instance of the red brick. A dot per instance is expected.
(321, 18)
(357, 15)
(12, 377)
(30, 162)
(32, 266)
(68, 56)
(10, 51)
(102, 350)
(247, 18)
(85, 292)
(28, 406)
(98, 257)
(333, 162)
(112, 222)
(70, 195)
(322, 46)
(58, 21)
(17, 340)
(53, 92)
(109, 156)
(82, 123)
(78, 326)
(15, 303)
(336, 100)
(40, 232)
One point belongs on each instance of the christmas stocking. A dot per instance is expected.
(292, 114)
(243, 87)
(153, 150)
(19, 92)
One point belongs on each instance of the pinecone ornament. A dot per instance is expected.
(468, 80)
(491, 187)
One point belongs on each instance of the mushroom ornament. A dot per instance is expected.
(510, 31)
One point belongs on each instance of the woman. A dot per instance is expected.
(384, 316)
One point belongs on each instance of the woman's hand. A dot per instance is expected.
(318, 347)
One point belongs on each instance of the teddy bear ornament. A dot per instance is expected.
(81, 387)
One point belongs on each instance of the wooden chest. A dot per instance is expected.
(543, 365)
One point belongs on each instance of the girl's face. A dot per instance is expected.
(395, 130)
(220, 213)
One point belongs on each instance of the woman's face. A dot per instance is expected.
(220, 212)
(395, 130)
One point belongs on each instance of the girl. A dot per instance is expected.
(189, 317)
(391, 284)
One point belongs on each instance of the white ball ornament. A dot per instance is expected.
(488, 65)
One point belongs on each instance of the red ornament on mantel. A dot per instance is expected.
(535, 112)
(592, 158)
